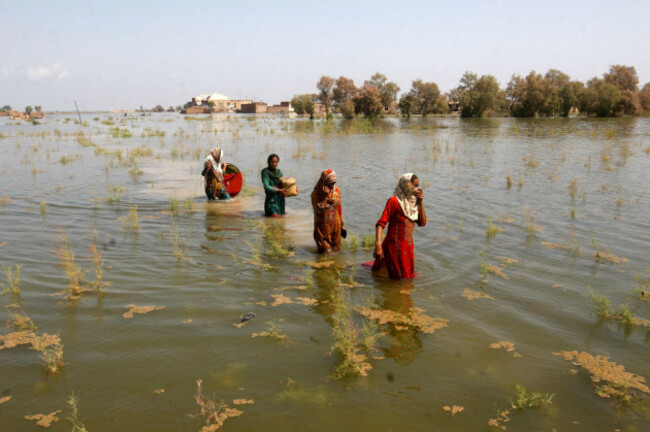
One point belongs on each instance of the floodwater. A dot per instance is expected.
(209, 263)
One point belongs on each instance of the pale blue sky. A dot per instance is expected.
(123, 54)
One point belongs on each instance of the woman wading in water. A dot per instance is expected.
(274, 201)
(403, 210)
(213, 169)
(328, 213)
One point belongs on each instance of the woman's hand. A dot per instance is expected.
(282, 192)
(419, 196)
(378, 253)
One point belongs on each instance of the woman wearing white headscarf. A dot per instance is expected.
(403, 210)
(213, 169)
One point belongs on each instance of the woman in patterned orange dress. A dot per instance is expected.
(403, 210)
(328, 213)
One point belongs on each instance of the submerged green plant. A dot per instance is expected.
(12, 276)
(606, 311)
(523, 400)
(69, 265)
(74, 418)
(492, 230)
(130, 224)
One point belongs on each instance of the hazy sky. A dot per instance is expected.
(123, 54)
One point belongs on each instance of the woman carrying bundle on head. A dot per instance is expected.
(275, 194)
(213, 169)
(403, 210)
(328, 213)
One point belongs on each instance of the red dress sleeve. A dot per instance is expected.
(389, 210)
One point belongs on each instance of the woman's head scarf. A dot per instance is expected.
(324, 187)
(404, 191)
(217, 155)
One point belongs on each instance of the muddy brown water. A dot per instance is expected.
(50, 183)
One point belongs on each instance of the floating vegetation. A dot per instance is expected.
(279, 299)
(275, 244)
(28, 337)
(573, 188)
(606, 255)
(509, 181)
(319, 264)
(507, 261)
(256, 258)
(415, 319)
(243, 402)
(453, 410)
(5, 399)
(523, 400)
(492, 230)
(12, 278)
(115, 194)
(214, 413)
(44, 420)
(505, 345)
(273, 331)
(74, 418)
(611, 379)
(475, 295)
(133, 309)
(553, 246)
(159, 391)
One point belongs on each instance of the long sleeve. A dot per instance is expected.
(268, 183)
(389, 210)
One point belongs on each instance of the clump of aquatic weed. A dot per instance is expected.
(349, 342)
(130, 223)
(492, 230)
(606, 311)
(214, 413)
(178, 242)
(611, 379)
(415, 318)
(70, 267)
(97, 264)
(530, 221)
(44, 420)
(12, 276)
(523, 400)
(273, 331)
(606, 255)
(19, 321)
(52, 357)
(133, 309)
(475, 295)
(486, 269)
(74, 418)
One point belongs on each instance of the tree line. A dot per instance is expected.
(28, 109)
(553, 94)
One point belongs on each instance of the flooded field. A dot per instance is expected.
(123, 287)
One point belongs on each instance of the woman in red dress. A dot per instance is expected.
(402, 212)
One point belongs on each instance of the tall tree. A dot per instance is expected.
(600, 98)
(368, 101)
(6, 108)
(28, 109)
(303, 104)
(426, 96)
(407, 104)
(479, 96)
(623, 77)
(644, 97)
(325, 95)
(38, 108)
(388, 90)
(344, 90)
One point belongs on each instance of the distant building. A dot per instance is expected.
(230, 105)
(37, 114)
(254, 108)
(202, 109)
(283, 108)
(319, 108)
